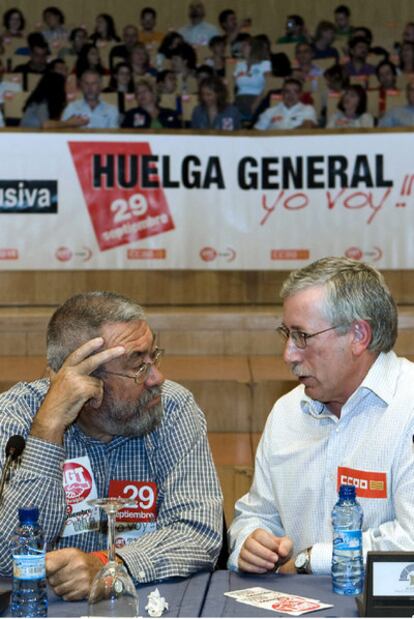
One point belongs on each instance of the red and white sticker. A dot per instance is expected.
(122, 189)
(79, 486)
(132, 522)
(368, 484)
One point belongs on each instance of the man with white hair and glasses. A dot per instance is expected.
(107, 423)
(351, 420)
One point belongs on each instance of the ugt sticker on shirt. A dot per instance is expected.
(79, 486)
(122, 189)
(132, 522)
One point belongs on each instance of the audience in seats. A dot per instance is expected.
(352, 110)
(248, 65)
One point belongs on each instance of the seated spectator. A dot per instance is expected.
(43, 109)
(14, 24)
(183, 63)
(214, 111)
(123, 51)
(58, 65)
(295, 30)
(217, 59)
(374, 50)
(148, 114)
(97, 113)
(322, 44)
(166, 82)
(304, 69)
(170, 41)
(54, 19)
(342, 18)
(406, 65)
(77, 39)
(358, 52)
(337, 81)
(121, 79)
(89, 58)
(198, 31)
(147, 34)
(402, 116)
(352, 110)
(230, 25)
(105, 31)
(38, 54)
(202, 72)
(7, 86)
(386, 73)
(290, 113)
(140, 62)
(250, 76)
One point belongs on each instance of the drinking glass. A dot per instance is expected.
(113, 592)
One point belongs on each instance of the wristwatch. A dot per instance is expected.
(302, 562)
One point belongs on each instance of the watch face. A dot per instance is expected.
(301, 560)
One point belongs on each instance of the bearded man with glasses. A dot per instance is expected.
(107, 423)
(351, 420)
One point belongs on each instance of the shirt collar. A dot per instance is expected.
(381, 380)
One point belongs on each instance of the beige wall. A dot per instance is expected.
(384, 17)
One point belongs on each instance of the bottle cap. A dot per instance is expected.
(28, 515)
(347, 492)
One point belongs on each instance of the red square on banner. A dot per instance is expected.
(122, 190)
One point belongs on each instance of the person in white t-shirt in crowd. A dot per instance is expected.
(97, 114)
(290, 112)
(250, 75)
(352, 110)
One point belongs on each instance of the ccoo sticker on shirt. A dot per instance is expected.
(368, 484)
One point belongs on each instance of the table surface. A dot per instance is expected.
(185, 597)
(318, 587)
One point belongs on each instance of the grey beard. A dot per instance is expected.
(126, 419)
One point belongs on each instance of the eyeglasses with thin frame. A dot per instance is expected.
(299, 338)
(144, 369)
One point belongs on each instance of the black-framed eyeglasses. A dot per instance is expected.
(144, 369)
(299, 338)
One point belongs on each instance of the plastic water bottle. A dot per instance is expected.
(29, 594)
(347, 558)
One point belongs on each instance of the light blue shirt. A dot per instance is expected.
(302, 447)
(398, 117)
(200, 34)
(103, 116)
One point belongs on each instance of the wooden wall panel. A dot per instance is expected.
(196, 288)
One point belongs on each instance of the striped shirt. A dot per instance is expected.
(176, 456)
(300, 458)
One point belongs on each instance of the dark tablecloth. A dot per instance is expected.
(320, 587)
(185, 597)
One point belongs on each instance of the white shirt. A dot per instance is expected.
(200, 34)
(103, 116)
(296, 472)
(281, 117)
(251, 80)
(9, 87)
(339, 120)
